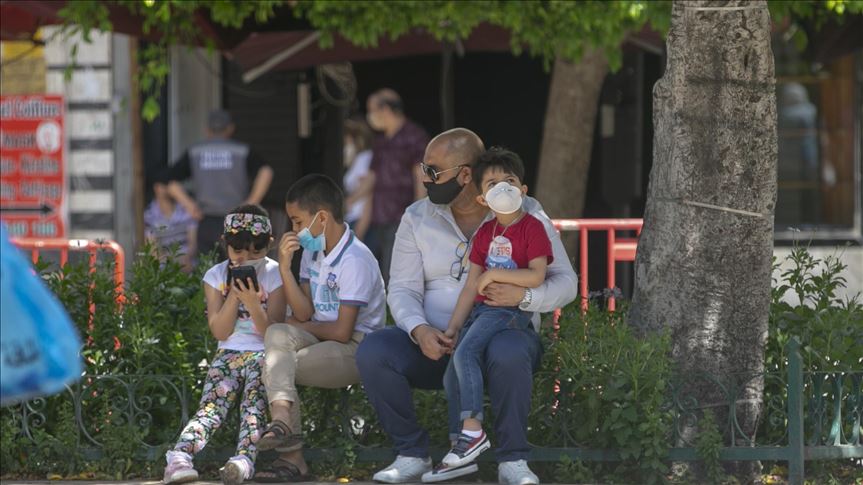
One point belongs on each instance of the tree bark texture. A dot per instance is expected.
(567, 136)
(702, 271)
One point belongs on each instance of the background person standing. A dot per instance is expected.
(396, 154)
(225, 173)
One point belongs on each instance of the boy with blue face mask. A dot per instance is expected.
(338, 299)
(513, 248)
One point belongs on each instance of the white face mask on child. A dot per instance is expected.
(258, 264)
(504, 198)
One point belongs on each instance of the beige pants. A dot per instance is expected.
(294, 357)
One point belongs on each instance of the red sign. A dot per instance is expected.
(32, 182)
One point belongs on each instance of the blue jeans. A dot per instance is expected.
(463, 380)
(390, 365)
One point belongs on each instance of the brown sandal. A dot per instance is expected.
(282, 471)
(278, 436)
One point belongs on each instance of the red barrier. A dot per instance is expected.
(64, 246)
(619, 249)
(36, 246)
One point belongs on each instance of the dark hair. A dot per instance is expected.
(389, 98)
(395, 105)
(360, 133)
(317, 192)
(244, 239)
(497, 157)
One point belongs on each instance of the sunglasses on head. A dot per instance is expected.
(435, 174)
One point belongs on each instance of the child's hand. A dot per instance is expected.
(453, 335)
(246, 292)
(289, 244)
(485, 279)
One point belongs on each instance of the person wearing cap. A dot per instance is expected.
(224, 173)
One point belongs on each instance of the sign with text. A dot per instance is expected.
(32, 182)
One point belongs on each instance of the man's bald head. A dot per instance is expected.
(458, 146)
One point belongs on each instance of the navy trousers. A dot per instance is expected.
(390, 365)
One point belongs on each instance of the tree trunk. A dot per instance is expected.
(567, 136)
(704, 258)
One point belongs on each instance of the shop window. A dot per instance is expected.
(819, 116)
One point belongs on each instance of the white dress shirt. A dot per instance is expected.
(424, 284)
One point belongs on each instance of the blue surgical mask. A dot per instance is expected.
(312, 243)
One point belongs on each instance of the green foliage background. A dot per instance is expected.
(550, 30)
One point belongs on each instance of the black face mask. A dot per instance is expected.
(443, 193)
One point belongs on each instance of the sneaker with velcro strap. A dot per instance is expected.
(466, 450)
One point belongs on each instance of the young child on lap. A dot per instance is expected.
(513, 248)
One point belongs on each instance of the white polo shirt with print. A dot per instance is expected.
(349, 275)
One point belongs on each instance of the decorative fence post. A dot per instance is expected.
(796, 451)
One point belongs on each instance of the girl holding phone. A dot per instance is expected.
(238, 313)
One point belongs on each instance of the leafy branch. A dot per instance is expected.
(550, 30)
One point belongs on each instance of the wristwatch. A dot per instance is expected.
(526, 301)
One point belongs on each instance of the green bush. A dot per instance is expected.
(612, 389)
(830, 331)
(829, 328)
(600, 385)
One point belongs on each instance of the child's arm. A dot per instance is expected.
(298, 296)
(529, 277)
(276, 306)
(465, 301)
(340, 330)
(221, 311)
(362, 226)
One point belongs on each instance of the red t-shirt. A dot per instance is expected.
(512, 247)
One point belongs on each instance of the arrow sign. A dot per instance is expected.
(43, 209)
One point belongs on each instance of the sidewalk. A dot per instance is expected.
(71, 482)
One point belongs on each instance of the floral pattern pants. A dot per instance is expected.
(232, 374)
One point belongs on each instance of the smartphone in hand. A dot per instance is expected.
(243, 273)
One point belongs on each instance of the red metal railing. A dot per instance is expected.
(618, 248)
(64, 246)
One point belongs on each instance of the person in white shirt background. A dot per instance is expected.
(358, 181)
(429, 264)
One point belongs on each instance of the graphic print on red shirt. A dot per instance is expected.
(513, 247)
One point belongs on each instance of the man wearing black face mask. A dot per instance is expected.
(429, 268)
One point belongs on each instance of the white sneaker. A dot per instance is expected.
(442, 472)
(516, 473)
(237, 470)
(179, 468)
(404, 469)
(466, 449)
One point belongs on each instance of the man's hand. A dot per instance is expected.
(289, 244)
(503, 294)
(485, 279)
(433, 343)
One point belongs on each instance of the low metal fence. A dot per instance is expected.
(817, 418)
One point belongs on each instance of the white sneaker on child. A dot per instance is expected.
(237, 470)
(466, 450)
(179, 468)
